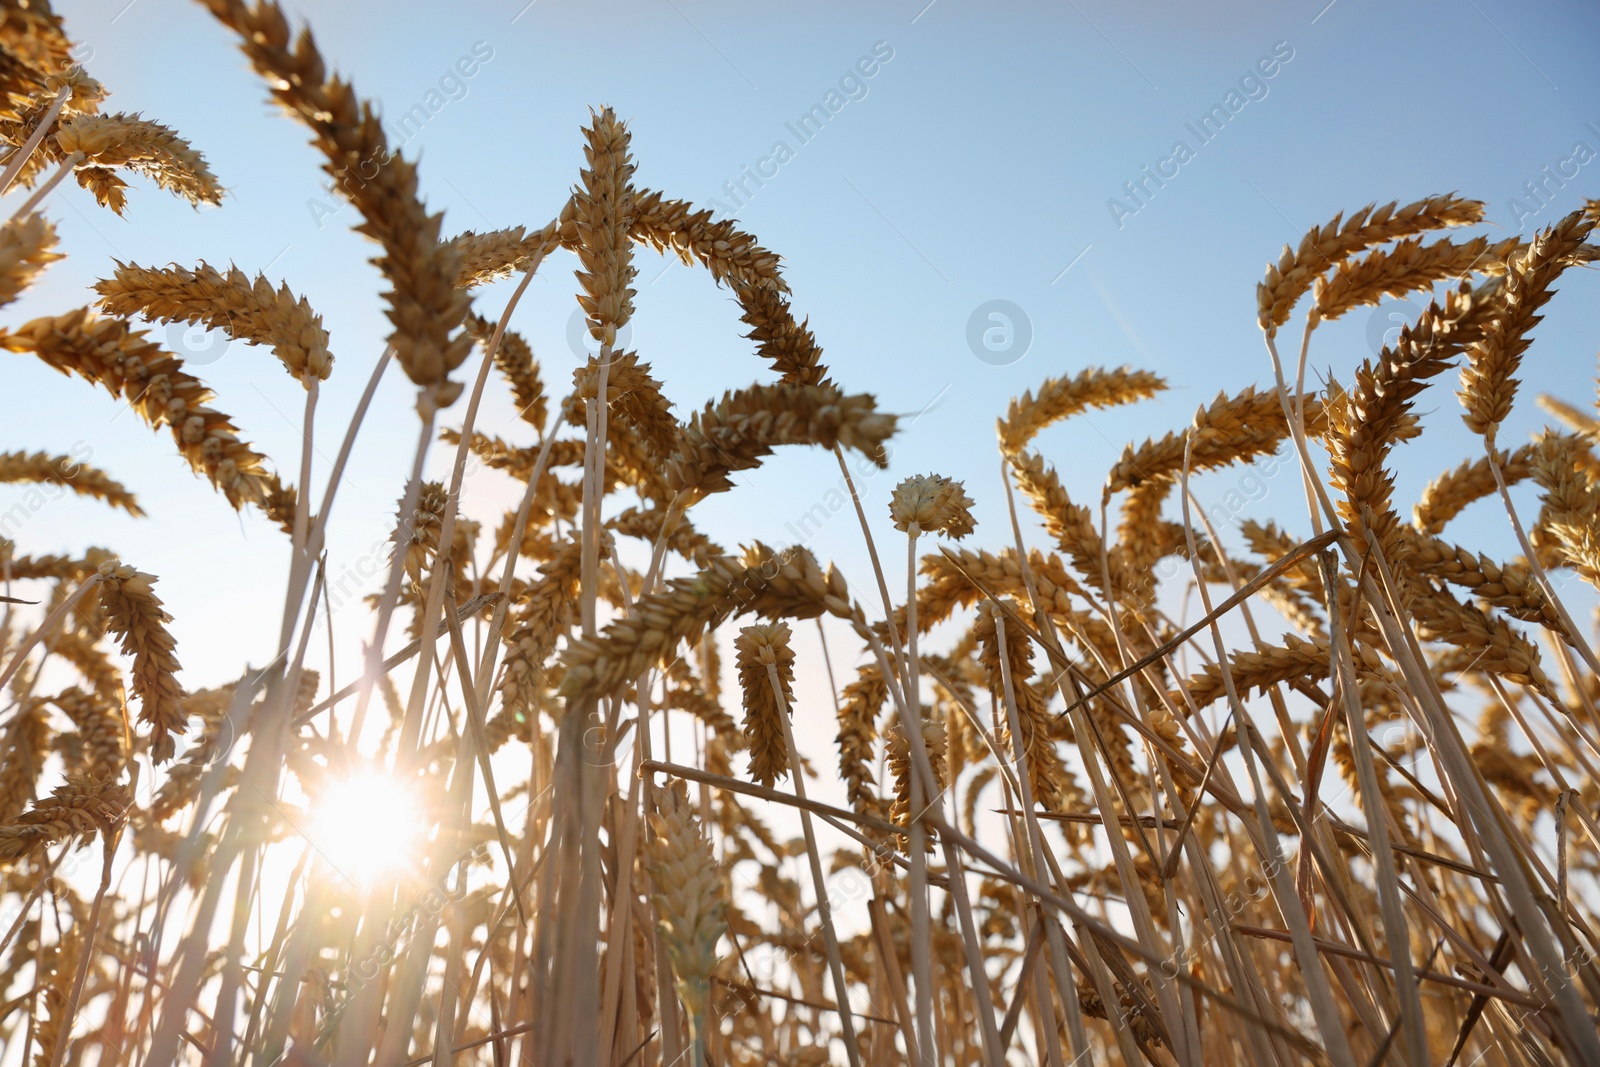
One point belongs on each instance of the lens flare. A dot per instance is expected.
(365, 826)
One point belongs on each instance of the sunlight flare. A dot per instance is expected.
(365, 826)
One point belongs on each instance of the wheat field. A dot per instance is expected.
(1340, 809)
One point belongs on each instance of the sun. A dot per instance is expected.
(365, 826)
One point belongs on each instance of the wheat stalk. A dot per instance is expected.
(1116, 865)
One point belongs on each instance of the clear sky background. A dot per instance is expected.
(976, 164)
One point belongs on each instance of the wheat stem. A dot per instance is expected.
(1540, 575)
(1321, 997)
(50, 622)
(391, 588)
(819, 884)
(85, 958)
(44, 190)
(20, 156)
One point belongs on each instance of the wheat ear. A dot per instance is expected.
(133, 612)
(689, 902)
(771, 649)
(68, 472)
(246, 310)
(426, 306)
(154, 383)
(79, 807)
(144, 147)
(1326, 246)
(27, 244)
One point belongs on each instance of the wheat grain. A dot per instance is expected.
(732, 256)
(899, 757)
(417, 541)
(108, 189)
(744, 427)
(1070, 524)
(1046, 775)
(181, 787)
(1293, 661)
(651, 524)
(953, 582)
(144, 147)
(1234, 429)
(551, 606)
(634, 396)
(1571, 501)
(514, 360)
(1487, 385)
(100, 727)
(59, 568)
(628, 462)
(35, 35)
(425, 305)
(788, 345)
(27, 738)
(603, 214)
(20, 86)
(933, 503)
(859, 707)
(67, 92)
(1408, 267)
(789, 584)
(498, 254)
(1447, 495)
(1510, 587)
(91, 661)
(1144, 538)
(1496, 646)
(688, 693)
(1363, 423)
(1577, 421)
(56, 982)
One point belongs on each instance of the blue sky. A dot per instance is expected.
(978, 162)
